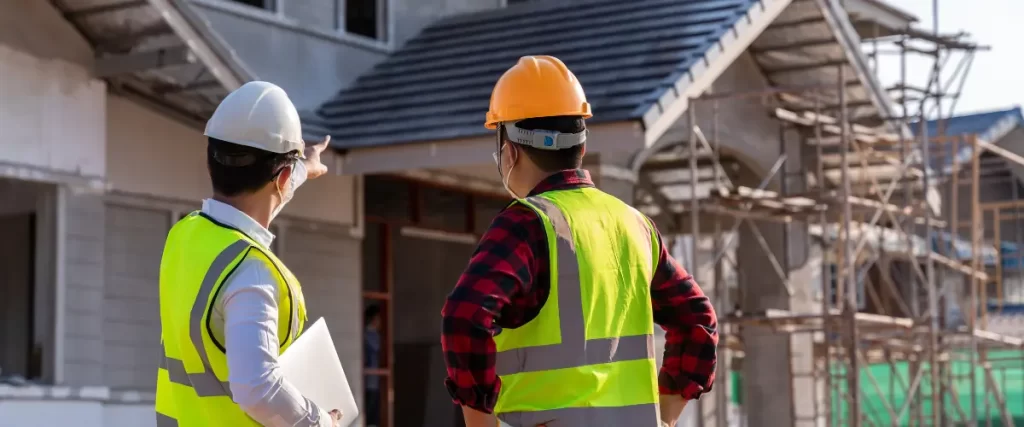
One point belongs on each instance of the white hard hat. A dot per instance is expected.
(258, 115)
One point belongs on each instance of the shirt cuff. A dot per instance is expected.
(474, 397)
(680, 385)
(325, 418)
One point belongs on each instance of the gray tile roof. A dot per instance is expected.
(437, 87)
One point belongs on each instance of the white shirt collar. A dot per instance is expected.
(229, 215)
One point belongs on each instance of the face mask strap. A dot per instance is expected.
(498, 144)
(504, 176)
(295, 180)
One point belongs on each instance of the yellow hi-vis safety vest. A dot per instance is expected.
(192, 382)
(587, 359)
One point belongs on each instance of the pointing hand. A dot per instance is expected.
(314, 167)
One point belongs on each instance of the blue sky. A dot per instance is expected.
(996, 77)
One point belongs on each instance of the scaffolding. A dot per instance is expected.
(869, 200)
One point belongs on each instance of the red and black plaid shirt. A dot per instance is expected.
(507, 281)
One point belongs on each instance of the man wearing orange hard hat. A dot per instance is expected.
(551, 322)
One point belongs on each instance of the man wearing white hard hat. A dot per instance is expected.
(228, 306)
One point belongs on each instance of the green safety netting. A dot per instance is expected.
(1008, 370)
(1008, 373)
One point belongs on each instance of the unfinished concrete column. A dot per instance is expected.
(778, 368)
(81, 221)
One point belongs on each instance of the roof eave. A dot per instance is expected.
(887, 18)
(1004, 126)
(847, 37)
(162, 53)
(612, 137)
(207, 45)
(659, 116)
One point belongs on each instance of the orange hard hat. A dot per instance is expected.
(537, 86)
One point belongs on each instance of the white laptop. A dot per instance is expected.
(311, 364)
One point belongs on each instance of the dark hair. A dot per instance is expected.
(370, 313)
(238, 169)
(554, 160)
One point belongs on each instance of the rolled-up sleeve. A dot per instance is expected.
(691, 329)
(249, 310)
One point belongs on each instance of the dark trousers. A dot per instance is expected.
(372, 408)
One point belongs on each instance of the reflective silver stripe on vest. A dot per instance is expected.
(645, 415)
(165, 421)
(575, 350)
(205, 383)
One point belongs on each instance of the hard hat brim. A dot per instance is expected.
(289, 145)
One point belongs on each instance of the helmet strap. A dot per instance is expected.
(543, 139)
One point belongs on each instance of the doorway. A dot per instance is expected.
(418, 240)
(26, 266)
(18, 355)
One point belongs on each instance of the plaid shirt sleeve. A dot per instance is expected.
(691, 329)
(496, 288)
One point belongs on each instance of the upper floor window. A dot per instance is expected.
(367, 18)
(262, 4)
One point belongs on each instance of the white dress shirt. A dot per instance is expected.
(244, 318)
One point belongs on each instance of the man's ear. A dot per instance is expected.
(282, 177)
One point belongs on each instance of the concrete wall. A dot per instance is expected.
(153, 156)
(133, 247)
(302, 49)
(327, 261)
(80, 263)
(21, 23)
(108, 246)
(301, 52)
(745, 129)
(19, 410)
(53, 87)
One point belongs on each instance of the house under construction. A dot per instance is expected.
(911, 225)
(860, 242)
